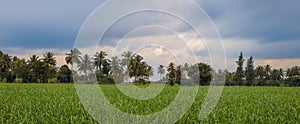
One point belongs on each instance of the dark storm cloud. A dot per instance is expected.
(267, 20)
(54, 24)
(42, 24)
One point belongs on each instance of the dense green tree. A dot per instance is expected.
(21, 70)
(64, 74)
(171, 73)
(49, 60)
(268, 69)
(275, 76)
(5, 65)
(239, 74)
(229, 78)
(249, 71)
(178, 74)
(205, 72)
(260, 75)
(100, 60)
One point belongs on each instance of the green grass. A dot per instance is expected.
(58, 103)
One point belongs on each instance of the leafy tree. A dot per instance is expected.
(64, 74)
(249, 73)
(100, 60)
(85, 64)
(126, 61)
(73, 57)
(50, 62)
(267, 72)
(117, 70)
(229, 79)
(35, 67)
(205, 72)
(171, 73)
(260, 74)
(5, 65)
(20, 70)
(49, 59)
(275, 76)
(239, 71)
(161, 70)
(178, 74)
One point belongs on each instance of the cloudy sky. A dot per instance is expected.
(268, 30)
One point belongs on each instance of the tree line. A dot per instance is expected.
(130, 67)
(261, 75)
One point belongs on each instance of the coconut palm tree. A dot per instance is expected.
(100, 60)
(73, 57)
(49, 58)
(116, 65)
(85, 64)
(171, 73)
(267, 72)
(161, 70)
(5, 65)
(127, 56)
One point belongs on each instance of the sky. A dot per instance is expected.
(268, 30)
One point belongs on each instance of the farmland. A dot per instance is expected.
(59, 103)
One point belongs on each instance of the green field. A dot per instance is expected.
(59, 103)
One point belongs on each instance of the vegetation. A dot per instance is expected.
(58, 103)
(132, 68)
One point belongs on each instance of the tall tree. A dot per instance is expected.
(50, 62)
(21, 70)
(205, 72)
(239, 71)
(161, 70)
(125, 62)
(5, 65)
(85, 64)
(100, 60)
(268, 69)
(249, 73)
(64, 74)
(117, 70)
(275, 76)
(229, 79)
(178, 74)
(73, 57)
(171, 73)
(49, 58)
(260, 74)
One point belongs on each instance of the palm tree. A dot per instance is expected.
(116, 70)
(185, 69)
(161, 70)
(125, 62)
(85, 64)
(5, 64)
(34, 64)
(115, 65)
(73, 57)
(267, 72)
(260, 74)
(100, 60)
(49, 58)
(33, 59)
(171, 73)
(127, 56)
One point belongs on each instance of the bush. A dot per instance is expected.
(19, 80)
